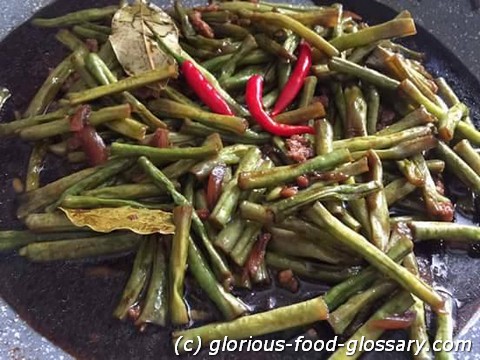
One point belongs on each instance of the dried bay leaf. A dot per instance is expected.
(140, 221)
(132, 41)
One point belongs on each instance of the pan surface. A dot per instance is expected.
(71, 303)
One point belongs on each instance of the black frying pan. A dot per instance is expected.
(71, 304)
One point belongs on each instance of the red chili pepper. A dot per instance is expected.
(296, 80)
(204, 90)
(255, 105)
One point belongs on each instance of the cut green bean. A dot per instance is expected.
(282, 174)
(430, 230)
(446, 92)
(398, 190)
(409, 89)
(229, 68)
(110, 169)
(90, 202)
(230, 306)
(50, 222)
(230, 155)
(340, 293)
(345, 314)
(444, 334)
(99, 69)
(129, 128)
(80, 66)
(468, 154)
(35, 166)
(369, 75)
(378, 259)
(77, 17)
(219, 265)
(15, 239)
(138, 278)
(468, 132)
(13, 127)
(391, 29)
(88, 33)
(80, 248)
(418, 329)
(297, 27)
(161, 156)
(373, 106)
(50, 88)
(361, 143)
(182, 218)
(291, 244)
(271, 321)
(222, 122)
(438, 206)
(416, 118)
(403, 150)
(230, 234)
(245, 243)
(126, 192)
(448, 122)
(71, 41)
(228, 200)
(155, 306)
(318, 192)
(323, 137)
(377, 205)
(459, 167)
(301, 115)
(412, 172)
(399, 303)
(62, 126)
(185, 24)
(284, 68)
(356, 121)
(44, 196)
(330, 274)
(127, 84)
(274, 48)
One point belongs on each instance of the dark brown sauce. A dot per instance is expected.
(71, 305)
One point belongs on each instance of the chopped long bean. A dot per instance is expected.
(357, 242)
(390, 29)
(130, 83)
(182, 217)
(138, 278)
(397, 304)
(459, 167)
(155, 307)
(80, 248)
(283, 318)
(219, 265)
(278, 175)
(294, 25)
(77, 17)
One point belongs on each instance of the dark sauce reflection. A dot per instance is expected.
(72, 303)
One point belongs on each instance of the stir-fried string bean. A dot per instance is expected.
(334, 173)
